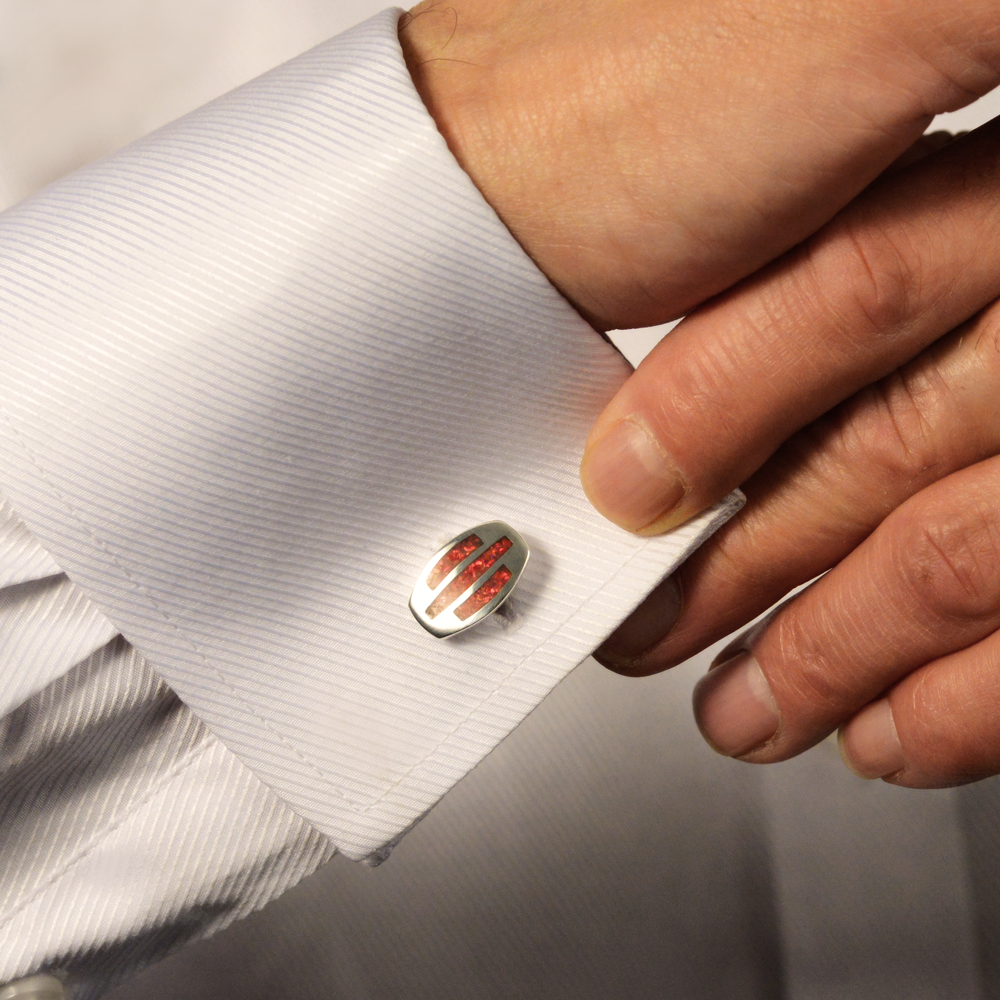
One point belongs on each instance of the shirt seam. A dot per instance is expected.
(358, 809)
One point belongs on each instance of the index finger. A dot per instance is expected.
(909, 260)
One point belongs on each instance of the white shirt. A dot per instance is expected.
(257, 367)
(601, 851)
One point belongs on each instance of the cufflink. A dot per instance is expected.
(41, 987)
(468, 579)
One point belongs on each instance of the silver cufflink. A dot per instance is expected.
(466, 580)
(41, 987)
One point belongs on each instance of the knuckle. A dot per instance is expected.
(703, 388)
(951, 562)
(810, 679)
(896, 426)
(940, 719)
(877, 279)
(883, 285)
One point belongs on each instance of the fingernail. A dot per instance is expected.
(644, 628)
(870, 744)
(629, 478)
(734, 707)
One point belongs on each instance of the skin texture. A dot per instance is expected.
(840, 352)
(893, 491)
(649, 155)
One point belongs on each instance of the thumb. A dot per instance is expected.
(903, 265)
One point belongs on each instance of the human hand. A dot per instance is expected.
(648, 155)
(622, 148)
(897, 489)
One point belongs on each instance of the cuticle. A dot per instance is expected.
(719, 661)
(768, 744)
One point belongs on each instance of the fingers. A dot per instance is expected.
(937, 727)
(823, 493)
(924, 586)
(908, 261)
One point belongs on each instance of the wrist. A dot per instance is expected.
(499, 97)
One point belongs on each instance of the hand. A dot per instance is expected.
(621, 146)
(897, 489)
(647, 155)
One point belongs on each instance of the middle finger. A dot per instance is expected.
(909, 260)
(824, 492)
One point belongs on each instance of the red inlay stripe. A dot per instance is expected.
(468, 577)
(452, 558)
(484, 595)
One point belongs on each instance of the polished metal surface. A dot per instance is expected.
(469, 578)
(41, 987)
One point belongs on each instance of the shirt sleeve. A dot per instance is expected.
(126, 828)
(258, 366)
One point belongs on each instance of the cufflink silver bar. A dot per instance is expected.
(468, 579)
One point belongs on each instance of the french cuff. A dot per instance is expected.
(258, 367)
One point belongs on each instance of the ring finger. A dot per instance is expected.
(823, 493)
(925, 585)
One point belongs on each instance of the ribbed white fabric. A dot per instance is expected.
(21, 557)
(256, 368)
(128, 829)
(46, 626)
(106, 780)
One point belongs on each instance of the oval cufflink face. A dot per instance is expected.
(466, 580)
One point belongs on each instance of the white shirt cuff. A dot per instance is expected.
(257, 367)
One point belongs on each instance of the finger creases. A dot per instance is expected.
(825, 491)
(909, 260)
(924, 586)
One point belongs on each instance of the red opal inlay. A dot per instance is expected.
(484, 595)
(447, 562)
(468, 577)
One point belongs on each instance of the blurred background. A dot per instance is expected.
(80, 78)
(603, 851)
